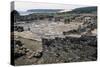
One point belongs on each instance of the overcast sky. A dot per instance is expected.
(23, 6)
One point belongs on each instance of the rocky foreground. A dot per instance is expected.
(58, 50)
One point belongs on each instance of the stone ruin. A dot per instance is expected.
(70, 49)
(59, 50)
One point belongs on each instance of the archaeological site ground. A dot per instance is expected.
(50, 34)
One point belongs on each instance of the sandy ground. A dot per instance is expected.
(27, 35)
(50, 28)
(30, 40)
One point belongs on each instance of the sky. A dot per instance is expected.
(24, 6)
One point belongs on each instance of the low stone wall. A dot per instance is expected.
(83, 40)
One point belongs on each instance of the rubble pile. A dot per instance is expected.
(69, 49)
(59, 50)
(20, 50)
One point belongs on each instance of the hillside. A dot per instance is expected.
(84, 10)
